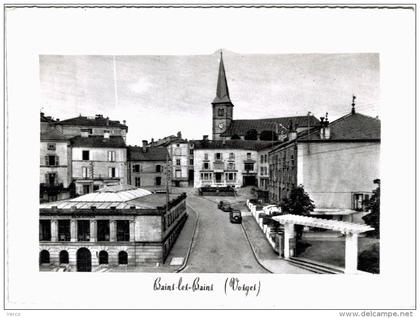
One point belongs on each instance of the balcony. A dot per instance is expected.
(51, 189)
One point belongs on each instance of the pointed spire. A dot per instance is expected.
(222, 91)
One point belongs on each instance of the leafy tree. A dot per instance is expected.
(373, 204)
(298, 203)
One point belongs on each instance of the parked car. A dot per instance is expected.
(224, 206)
(235, 216)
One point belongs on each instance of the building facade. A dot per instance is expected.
(98, 161)
(116, 227)
(336, 163)
(179, 151)
(55, 165)
(226, 163)
(148, 167)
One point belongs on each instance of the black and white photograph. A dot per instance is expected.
(199, 157)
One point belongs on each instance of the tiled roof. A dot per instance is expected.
(98, 142)
(349, 127)
(152, 154)
(233, 144)
(241, 126)
(98, 121)
(52, 134)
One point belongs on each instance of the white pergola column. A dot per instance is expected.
(54, 230)
(113, 230)
(73, 230)
(93, 231)
(351, 253)
(289, 233)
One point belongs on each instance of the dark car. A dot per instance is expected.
(224, 206)
(235, 216)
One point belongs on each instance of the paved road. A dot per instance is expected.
(219, 246)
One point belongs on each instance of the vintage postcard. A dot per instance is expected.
(210, 157)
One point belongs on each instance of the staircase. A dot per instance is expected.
(316, 267)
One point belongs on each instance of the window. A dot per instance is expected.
(206, 156)
(86, 188)
(136, 168)
(231, 156)
(44, 257)
(178, 162)
(158, 181)
(262, 170)
(123, 230)
(218, 156)
(83, 230)
(221, 112)
(103, 257)
(64, 230)
(51, 160)
(262, 159)
(248, 155)
(95, 187)
(231, 176)
(44, 230)
(205, 165)
(249, 166)
(85, 155)
(112, 172)
(88, 130)
(111, 155)
(122, 258)
(103, 230)
(178, 173)
(84, 172)
(64, 257)
(191, 152)
(158, 168)
(191, 162)
(137, 181)
(231, 166)
(51, 146)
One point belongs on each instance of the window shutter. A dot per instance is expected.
(109, 172)
(57, 162)
(46, 160)
(46, 178)
(116, 172)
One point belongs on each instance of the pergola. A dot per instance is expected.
(350, 230)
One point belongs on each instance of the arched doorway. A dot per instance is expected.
(103, 257)
(84, 260)
(64, 257)
(44, 257)
(122, 258)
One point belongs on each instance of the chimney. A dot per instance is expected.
(124, 121)
(179, 135)
(152, 141)
(292, 134)
(106, 134)
(325, 132)
(205, 137)
(353, 110)
(107, 121)
(144, 145)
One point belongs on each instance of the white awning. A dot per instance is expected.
(340, 226)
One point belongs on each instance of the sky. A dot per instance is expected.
(161, 95)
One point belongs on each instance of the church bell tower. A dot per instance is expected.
(222, 106)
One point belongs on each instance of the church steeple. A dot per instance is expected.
(222, 91)
(222, 105)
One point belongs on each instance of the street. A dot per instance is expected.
(219, 246)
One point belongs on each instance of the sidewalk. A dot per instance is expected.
(264, 252)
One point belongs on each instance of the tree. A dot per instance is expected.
(298, 203)
(374, 204)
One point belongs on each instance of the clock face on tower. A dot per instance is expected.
(221, 125)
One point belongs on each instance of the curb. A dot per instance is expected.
(253, 250)
(184, 264)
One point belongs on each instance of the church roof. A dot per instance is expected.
(233, 144)
(353, 126)
(280, 124)
(222, 91)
